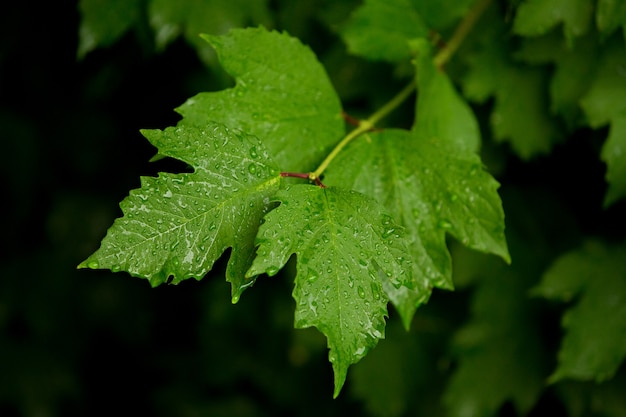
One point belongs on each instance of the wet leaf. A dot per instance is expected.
(430, 189)
(349, 253)
(177, 225)
(282, 95)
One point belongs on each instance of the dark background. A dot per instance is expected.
(91, 343)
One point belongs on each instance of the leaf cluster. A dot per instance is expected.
(374, 223)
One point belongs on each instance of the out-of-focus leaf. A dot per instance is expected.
(520, 113)
(594, 277)
(614, 154)
(381, 30)
(190, 18)
(610, 15)
(499, 350)
(605, 98)
(103, 22)
(537, 17)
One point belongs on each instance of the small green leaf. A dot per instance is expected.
(614, 154)
(440, 111)
(177, 225)
(103, 22)
(610, 15)
(499, 351)
(574, 71)
(342, 240)
(431, 189)
(381, 30)
(169, 19)
(537, 17)
(594, 345)
(282, 95)
(442, 14)
(520, 113)
(605, 98)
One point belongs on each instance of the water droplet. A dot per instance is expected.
(444, 224)
(361, 292)
(312, 277)
(116, 268)
(252, 168)
(93, 264)
(272, 270)
(235, 299)
(375, 291)
(388, 233)
(453, 197)
(253, 153)
(174, 244)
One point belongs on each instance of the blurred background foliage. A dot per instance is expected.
(85, 343)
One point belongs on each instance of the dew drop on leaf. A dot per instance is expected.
(444, 224)
(361, 292)
(93, 265)
(252, 168)
(375, 291)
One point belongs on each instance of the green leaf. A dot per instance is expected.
(610, 15)
(520, 113)
(381, 30)
(614, 154)
(440, 112)
(441, 14)
(177, 225)
(342, 240)
(499, 352)
(103, 22)
(429, 188)
(169, 19)
(537, 17)
(594, 345)
(574, 71)
(605, 98)
(282, 95)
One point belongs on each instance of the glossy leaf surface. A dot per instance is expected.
(177, 225)
(349, 254)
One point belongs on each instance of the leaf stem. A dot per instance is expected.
(460, 33)
(442, 57)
